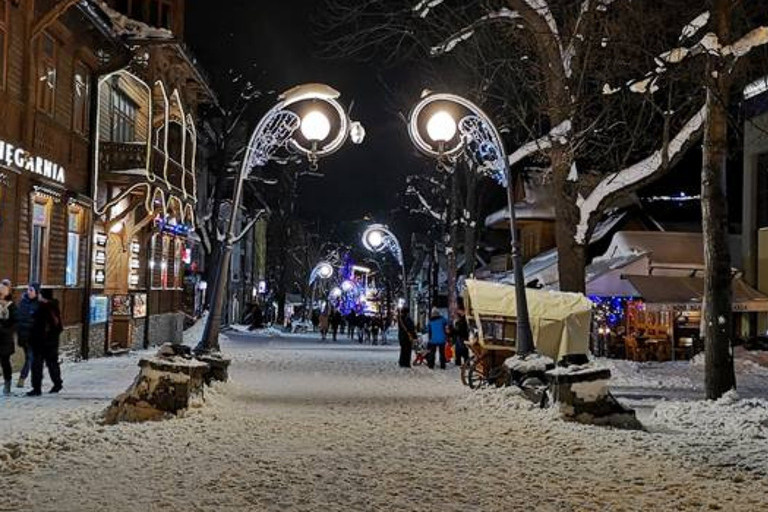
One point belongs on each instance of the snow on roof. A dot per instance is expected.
(126, 27)
(665, 248)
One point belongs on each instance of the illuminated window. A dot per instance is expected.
(46, 83)
(81, 98)
(74, 232)
(178, 269)
(164, 262)
(123, 117)
(38, 246)
(3, 41)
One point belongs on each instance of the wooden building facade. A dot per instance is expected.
(97, 163)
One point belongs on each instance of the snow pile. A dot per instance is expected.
(499, 401)
(534, 362)
(725, 432)
(195, 333)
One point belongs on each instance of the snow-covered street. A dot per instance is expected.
(310, 426)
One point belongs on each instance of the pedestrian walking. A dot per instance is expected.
(461, 337)
(406, 335)
(375, 328)
(351, 323)
(335, 323)
(438, 335)
(323, 323)
(46, 329)
(7, 331)
(25, 317)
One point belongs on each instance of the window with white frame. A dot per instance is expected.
(123, 109)
(38, 246)
(74, 230)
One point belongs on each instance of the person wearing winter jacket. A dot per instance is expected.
(25, 315)
(438, 335)
(46, 329)
(7, 330)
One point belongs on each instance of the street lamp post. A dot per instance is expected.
(378, 238)
(323, 270)
(476, 134)
(275, 131)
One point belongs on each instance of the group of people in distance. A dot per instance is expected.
(35, 324)
(366, 328)
(439, 332)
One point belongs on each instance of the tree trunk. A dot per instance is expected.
(719, 370)
(571, 256)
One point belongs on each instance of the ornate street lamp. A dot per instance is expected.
(378, 238)
(298, 123)
(322, 270)
(475, 135)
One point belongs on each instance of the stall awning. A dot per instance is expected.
(687, 292)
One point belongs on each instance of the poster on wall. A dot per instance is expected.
(99, 309)
(121, 305)
(139, 305)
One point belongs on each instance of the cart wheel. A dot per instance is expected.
(475, 379)
(465, 370)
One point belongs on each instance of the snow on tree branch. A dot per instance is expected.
(559, 133)
(503, 15)
(708, 43)
(428, 209)
(424, 6)
(634, 173)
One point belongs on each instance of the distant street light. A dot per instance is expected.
(481, 140)
(378, 238)
(276, 131)
(323, 270)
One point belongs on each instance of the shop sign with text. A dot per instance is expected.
(17, 158)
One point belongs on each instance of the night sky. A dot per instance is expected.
(278, 46)
(275, 44)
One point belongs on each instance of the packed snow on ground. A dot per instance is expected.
(312, 426)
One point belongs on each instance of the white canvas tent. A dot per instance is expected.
(560, 321)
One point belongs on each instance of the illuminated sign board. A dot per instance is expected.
(22, 160)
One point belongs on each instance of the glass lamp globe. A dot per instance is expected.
(347, 286)
(375, 239)
(336, 292)
(315, 126)
(325, 271)
(441, 127)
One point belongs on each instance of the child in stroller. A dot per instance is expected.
(420, 351)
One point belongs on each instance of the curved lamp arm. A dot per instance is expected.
(478, 134)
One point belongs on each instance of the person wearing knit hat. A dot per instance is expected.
(25, 319)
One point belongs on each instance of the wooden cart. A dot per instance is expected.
(560, 323)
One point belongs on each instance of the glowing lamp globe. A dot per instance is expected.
(336, 292)
(325, 271)
(375, 239)
(347, 286)
(315, 126)
(441, 127)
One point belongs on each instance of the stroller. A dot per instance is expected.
(421, 351)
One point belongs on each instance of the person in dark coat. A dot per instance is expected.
(335, 323)
(461, 336)
(25, 315)
(46, 330)
(7, 330)
(406, 335)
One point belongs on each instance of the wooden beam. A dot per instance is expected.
(50, 17)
